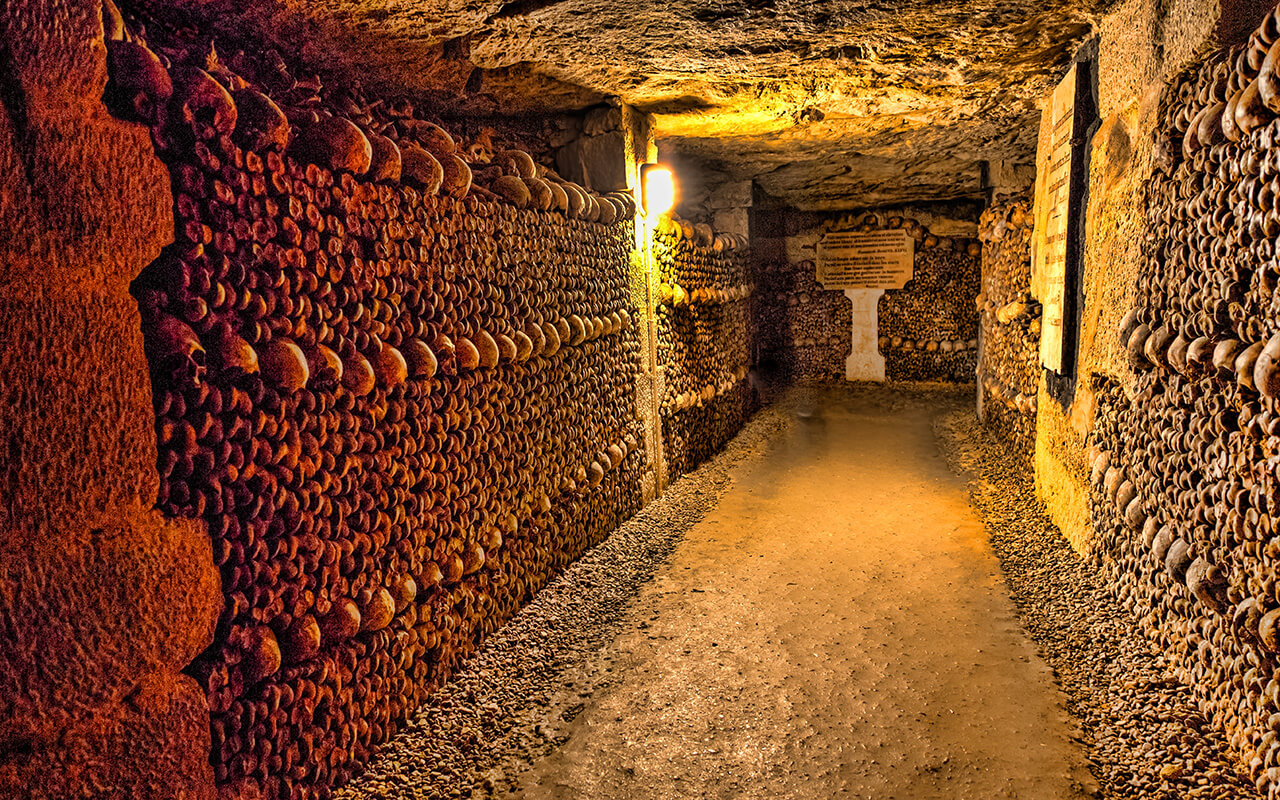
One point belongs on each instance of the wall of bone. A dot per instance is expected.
(1142, 47)
(926, 331)
(1161, 468)
(1009, 351)
(401, 401)
(705, 337)
(804, 328)
(929, 328)
(395, 386)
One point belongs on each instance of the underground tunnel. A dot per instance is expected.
(571, 399)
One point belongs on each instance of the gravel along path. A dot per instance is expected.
(1144, 735)
(815, 613)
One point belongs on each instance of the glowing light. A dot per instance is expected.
(658, 189)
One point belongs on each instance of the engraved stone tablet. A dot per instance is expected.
(1053, 209)
(871, 260)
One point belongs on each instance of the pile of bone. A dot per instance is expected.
(400, 402)
(705, 333)
(263, 105)
(1181, 500)
(887, 343)
(1145, 732)
(1009, 372)
(1186, 555)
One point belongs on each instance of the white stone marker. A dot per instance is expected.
(864, 362)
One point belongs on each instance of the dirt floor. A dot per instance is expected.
(836, 626)
(817, 612)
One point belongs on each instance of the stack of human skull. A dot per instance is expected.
(1185, 447)
(395, 374)
(928, 329)
(1009, 371)
(705, 333)
(803, 328)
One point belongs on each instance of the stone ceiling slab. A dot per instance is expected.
(825, 103)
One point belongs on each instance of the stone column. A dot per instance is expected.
(731, 208)
(864, 362)
(102, 600)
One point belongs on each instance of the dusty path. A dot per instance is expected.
(836, 627)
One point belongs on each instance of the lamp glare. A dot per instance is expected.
(659, 190)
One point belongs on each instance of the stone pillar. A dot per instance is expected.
(605, 156)
(864, 362)
(102, 600)
(616, 142)
(731, 206)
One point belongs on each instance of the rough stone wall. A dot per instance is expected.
(1183, 488)
(1009, 355)
(394, 400)
(103, 600)
(706, 339)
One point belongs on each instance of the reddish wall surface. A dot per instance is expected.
(367, 532)
(102, 600)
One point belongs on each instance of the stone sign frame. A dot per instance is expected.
(1058, 287)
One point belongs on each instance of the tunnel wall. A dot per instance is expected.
(103, 598)
(1162, 467)
(927, 330)
(1009, 351)
(441, 416)
(1142, 45)
(357, 410)
(705, 340)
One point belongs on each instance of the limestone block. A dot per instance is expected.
(597, 162)
(153, 744)
(731, 194)
(101, 599)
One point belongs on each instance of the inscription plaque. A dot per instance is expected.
(871, 260)
(1054, 163)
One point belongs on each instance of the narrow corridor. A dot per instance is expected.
(831, 623)
(837, 626)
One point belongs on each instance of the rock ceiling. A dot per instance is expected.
(826, 104)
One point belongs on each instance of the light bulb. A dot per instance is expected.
(659, 189)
